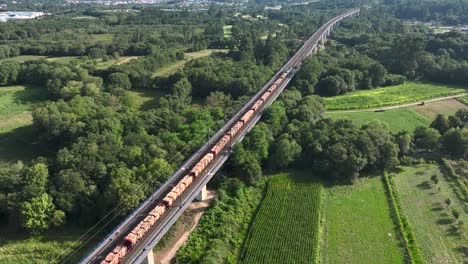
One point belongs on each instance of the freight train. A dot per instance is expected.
(130, 240)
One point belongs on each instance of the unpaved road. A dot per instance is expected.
(397, 106)
(196, 209)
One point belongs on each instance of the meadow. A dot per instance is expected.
(16, 103)
(51, 247)
(391, 95)
(188, 56)
(357, 227)
(285, 229)
(424, 205)
(396, 119)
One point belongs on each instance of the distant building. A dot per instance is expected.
(18, 15)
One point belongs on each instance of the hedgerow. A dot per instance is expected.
(412, 250)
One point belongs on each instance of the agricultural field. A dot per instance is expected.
(396, 119)
(175, 66)
(424, 204)
(445, 107)
(391, 95)
(357, 227)
(285, 229)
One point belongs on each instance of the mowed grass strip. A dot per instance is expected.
(357, 225)
(285, 229)
(431, 219)
(391, 95)
(396, 119)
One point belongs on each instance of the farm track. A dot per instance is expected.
(397, 106)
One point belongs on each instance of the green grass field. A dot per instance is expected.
(144, 99)
(16, 104)
(24, 58)
(357, 225)
(396, 119)
(227, 31)
(285, 229)
(430, 218)
(392, 95)
(102, 38)
(177, 65)
(463, 99)
(52, 247)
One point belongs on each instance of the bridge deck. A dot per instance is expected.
(153, 236)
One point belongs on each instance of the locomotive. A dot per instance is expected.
(131, 239)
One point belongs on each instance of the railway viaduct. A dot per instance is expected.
(142, 252)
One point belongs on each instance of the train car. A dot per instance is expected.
(220, 145)
(169, 199)
(111, 258)
(120, 251)
(187, 180)
(246, 117)
(144, 227)
(158, 211)
(150, 219)
(272, 87)
(132, 237)
(257, 105)
(265, 96)
(233, 131)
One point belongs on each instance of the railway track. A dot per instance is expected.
(139, 252)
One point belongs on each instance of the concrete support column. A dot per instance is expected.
(202, 195)
(149, 258)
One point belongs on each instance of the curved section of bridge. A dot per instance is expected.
(156, 232)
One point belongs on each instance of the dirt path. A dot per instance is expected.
(397, 106)
(195, 212)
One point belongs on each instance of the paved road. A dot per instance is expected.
(397, 106)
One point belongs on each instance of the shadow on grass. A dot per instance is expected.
(21, 144)
(425, 185)
(444, 221)
(31, 94)
(463, 250)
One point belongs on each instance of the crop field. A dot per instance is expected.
(424, 204)
(285, 229)
(396, 119)
(391, 95)
(357, 227)
(445, 107)
(175, 66)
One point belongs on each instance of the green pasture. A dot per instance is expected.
(396, 119)
(285, 229)
(171, 68)
(357, 227)
(392, 95)
(432, 221)
(16, 103)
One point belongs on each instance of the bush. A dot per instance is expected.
(394, 79)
